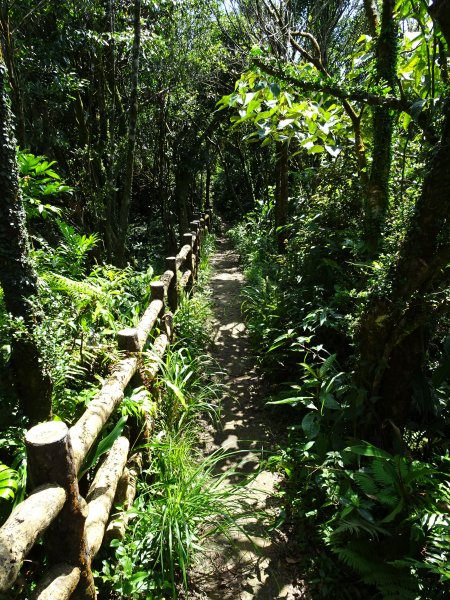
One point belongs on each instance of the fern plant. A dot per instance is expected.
(8, 482)
(13, 478)
(386, 523)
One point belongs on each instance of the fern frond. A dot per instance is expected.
(384, 473)
(354, 560)
(71, 287)
(388, 498)
(356, 526)
(366, 483)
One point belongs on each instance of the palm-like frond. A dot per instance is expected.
(73, 288)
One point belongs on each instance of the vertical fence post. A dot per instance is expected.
(187, 239)
(209, 212)
(172, 292)
(195, 226)
(157, 292)
(202, 231)
(50, 460)
(128, 340)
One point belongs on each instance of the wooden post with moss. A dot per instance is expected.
(202, 232)
(50, 460)
(209, 214)
(188, 240)
(195, 226)
(172, 291)
(157, 292)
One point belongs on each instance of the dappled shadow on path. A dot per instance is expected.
(249, 564)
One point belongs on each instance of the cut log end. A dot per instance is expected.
(157, 290)
(51, 432)
(128, 340)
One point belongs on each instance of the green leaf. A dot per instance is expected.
(416, 108)
(248, 98)
(103, 446)
(275, 89)
(256, 51)
(329, 402)
(284, 123)
(178, 393)
(405, 120)
(8, 482)
(368, 450)
(334, 151)
(294, 400)
(316, 149)
(310, 425)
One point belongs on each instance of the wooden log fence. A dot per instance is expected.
(73, 528)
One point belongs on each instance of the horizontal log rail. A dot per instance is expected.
(74, 528)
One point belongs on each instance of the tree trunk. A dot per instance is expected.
(377, 200)
(17, 277)
(208, 186)
(166, 217)
(8, 49)
(181, 192)
(391, 332)
(281, 195)
(125, 196)
(440, 11)
(370, 8)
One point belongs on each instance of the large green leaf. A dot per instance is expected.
(103, 446)
(368, 450)
(8, 482)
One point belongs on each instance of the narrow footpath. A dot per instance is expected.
(237, 568)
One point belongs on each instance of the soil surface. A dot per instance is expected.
(258, 564)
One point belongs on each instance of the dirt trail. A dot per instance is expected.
(238, 569)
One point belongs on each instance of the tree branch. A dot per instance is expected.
(312, 39)
(371, 11)
(334, 90)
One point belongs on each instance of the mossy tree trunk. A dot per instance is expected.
(183, 180)
(281, 195)
(17, 276)
(161, 178)
(392, 332)
(124, 197)
(395, 326)
(8, 49)
(377, 196)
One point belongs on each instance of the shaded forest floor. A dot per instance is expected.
(255, 563)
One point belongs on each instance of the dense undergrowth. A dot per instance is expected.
(372, 523)
(84, 305)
